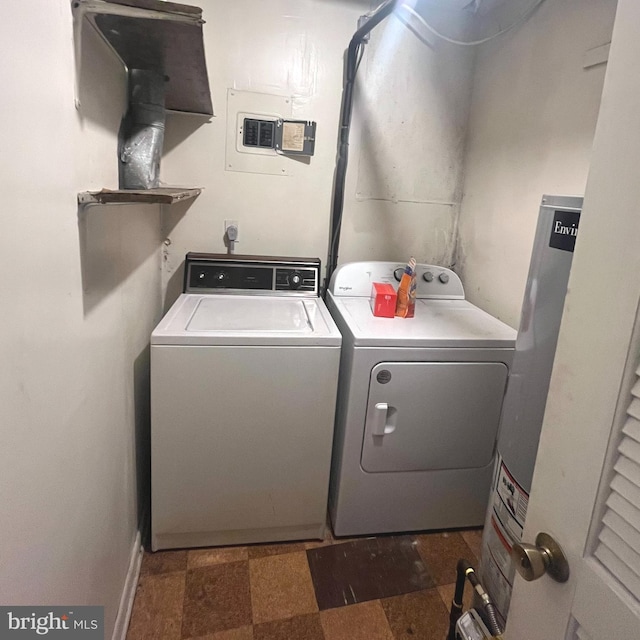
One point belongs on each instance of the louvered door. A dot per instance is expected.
(607, 599)
(603, 596)
(618, 547)
(585, 486)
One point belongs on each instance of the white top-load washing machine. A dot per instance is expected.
(419, 402)
(244, 370)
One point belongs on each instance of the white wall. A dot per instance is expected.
(80, 292)
(296, 48)
(532, 123)
(286, 48)
(407, 146)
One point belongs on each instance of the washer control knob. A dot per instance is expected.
(427, 276)
(295, 279)
(397, 273)
(444, 278)
(221, 276)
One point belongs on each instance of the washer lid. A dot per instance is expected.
(243, 320)
(437, 323)
(222, 313)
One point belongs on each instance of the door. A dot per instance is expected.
(585, 460)
(432, 415)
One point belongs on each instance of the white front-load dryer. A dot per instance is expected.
(419, 402)
(244, 370)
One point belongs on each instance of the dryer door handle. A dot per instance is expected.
(383, 420)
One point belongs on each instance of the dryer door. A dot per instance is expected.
(432, 415)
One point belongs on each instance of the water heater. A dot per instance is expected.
(527, 389)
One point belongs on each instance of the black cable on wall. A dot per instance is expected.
(354, 55)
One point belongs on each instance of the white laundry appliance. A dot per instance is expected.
(419, 402)
(244, 370)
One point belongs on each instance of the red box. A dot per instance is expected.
(383, 300)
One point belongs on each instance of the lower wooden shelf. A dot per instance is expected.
(162, 195)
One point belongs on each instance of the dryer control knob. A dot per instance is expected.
(295, 279)
(444, 278)
(397, 274)
(427, 276)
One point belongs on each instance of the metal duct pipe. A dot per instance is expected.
(142, 131)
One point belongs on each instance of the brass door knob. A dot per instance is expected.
(546, 556)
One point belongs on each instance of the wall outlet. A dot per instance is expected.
(231, 232)
(230, 223)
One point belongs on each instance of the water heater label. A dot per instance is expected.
(564, 230)
(509, 502)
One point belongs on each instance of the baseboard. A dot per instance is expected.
(129, 590)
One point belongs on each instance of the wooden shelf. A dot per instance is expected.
(164, 37)
(163, 195)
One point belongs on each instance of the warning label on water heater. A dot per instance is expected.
(509, 502)
(513, 498)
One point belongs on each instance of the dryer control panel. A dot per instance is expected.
(356, 278)
(223, 273)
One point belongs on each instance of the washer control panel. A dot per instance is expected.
(223, 273)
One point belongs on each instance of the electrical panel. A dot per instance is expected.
(258, 133)
(287, 137)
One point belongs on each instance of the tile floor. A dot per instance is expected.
(378, 588)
